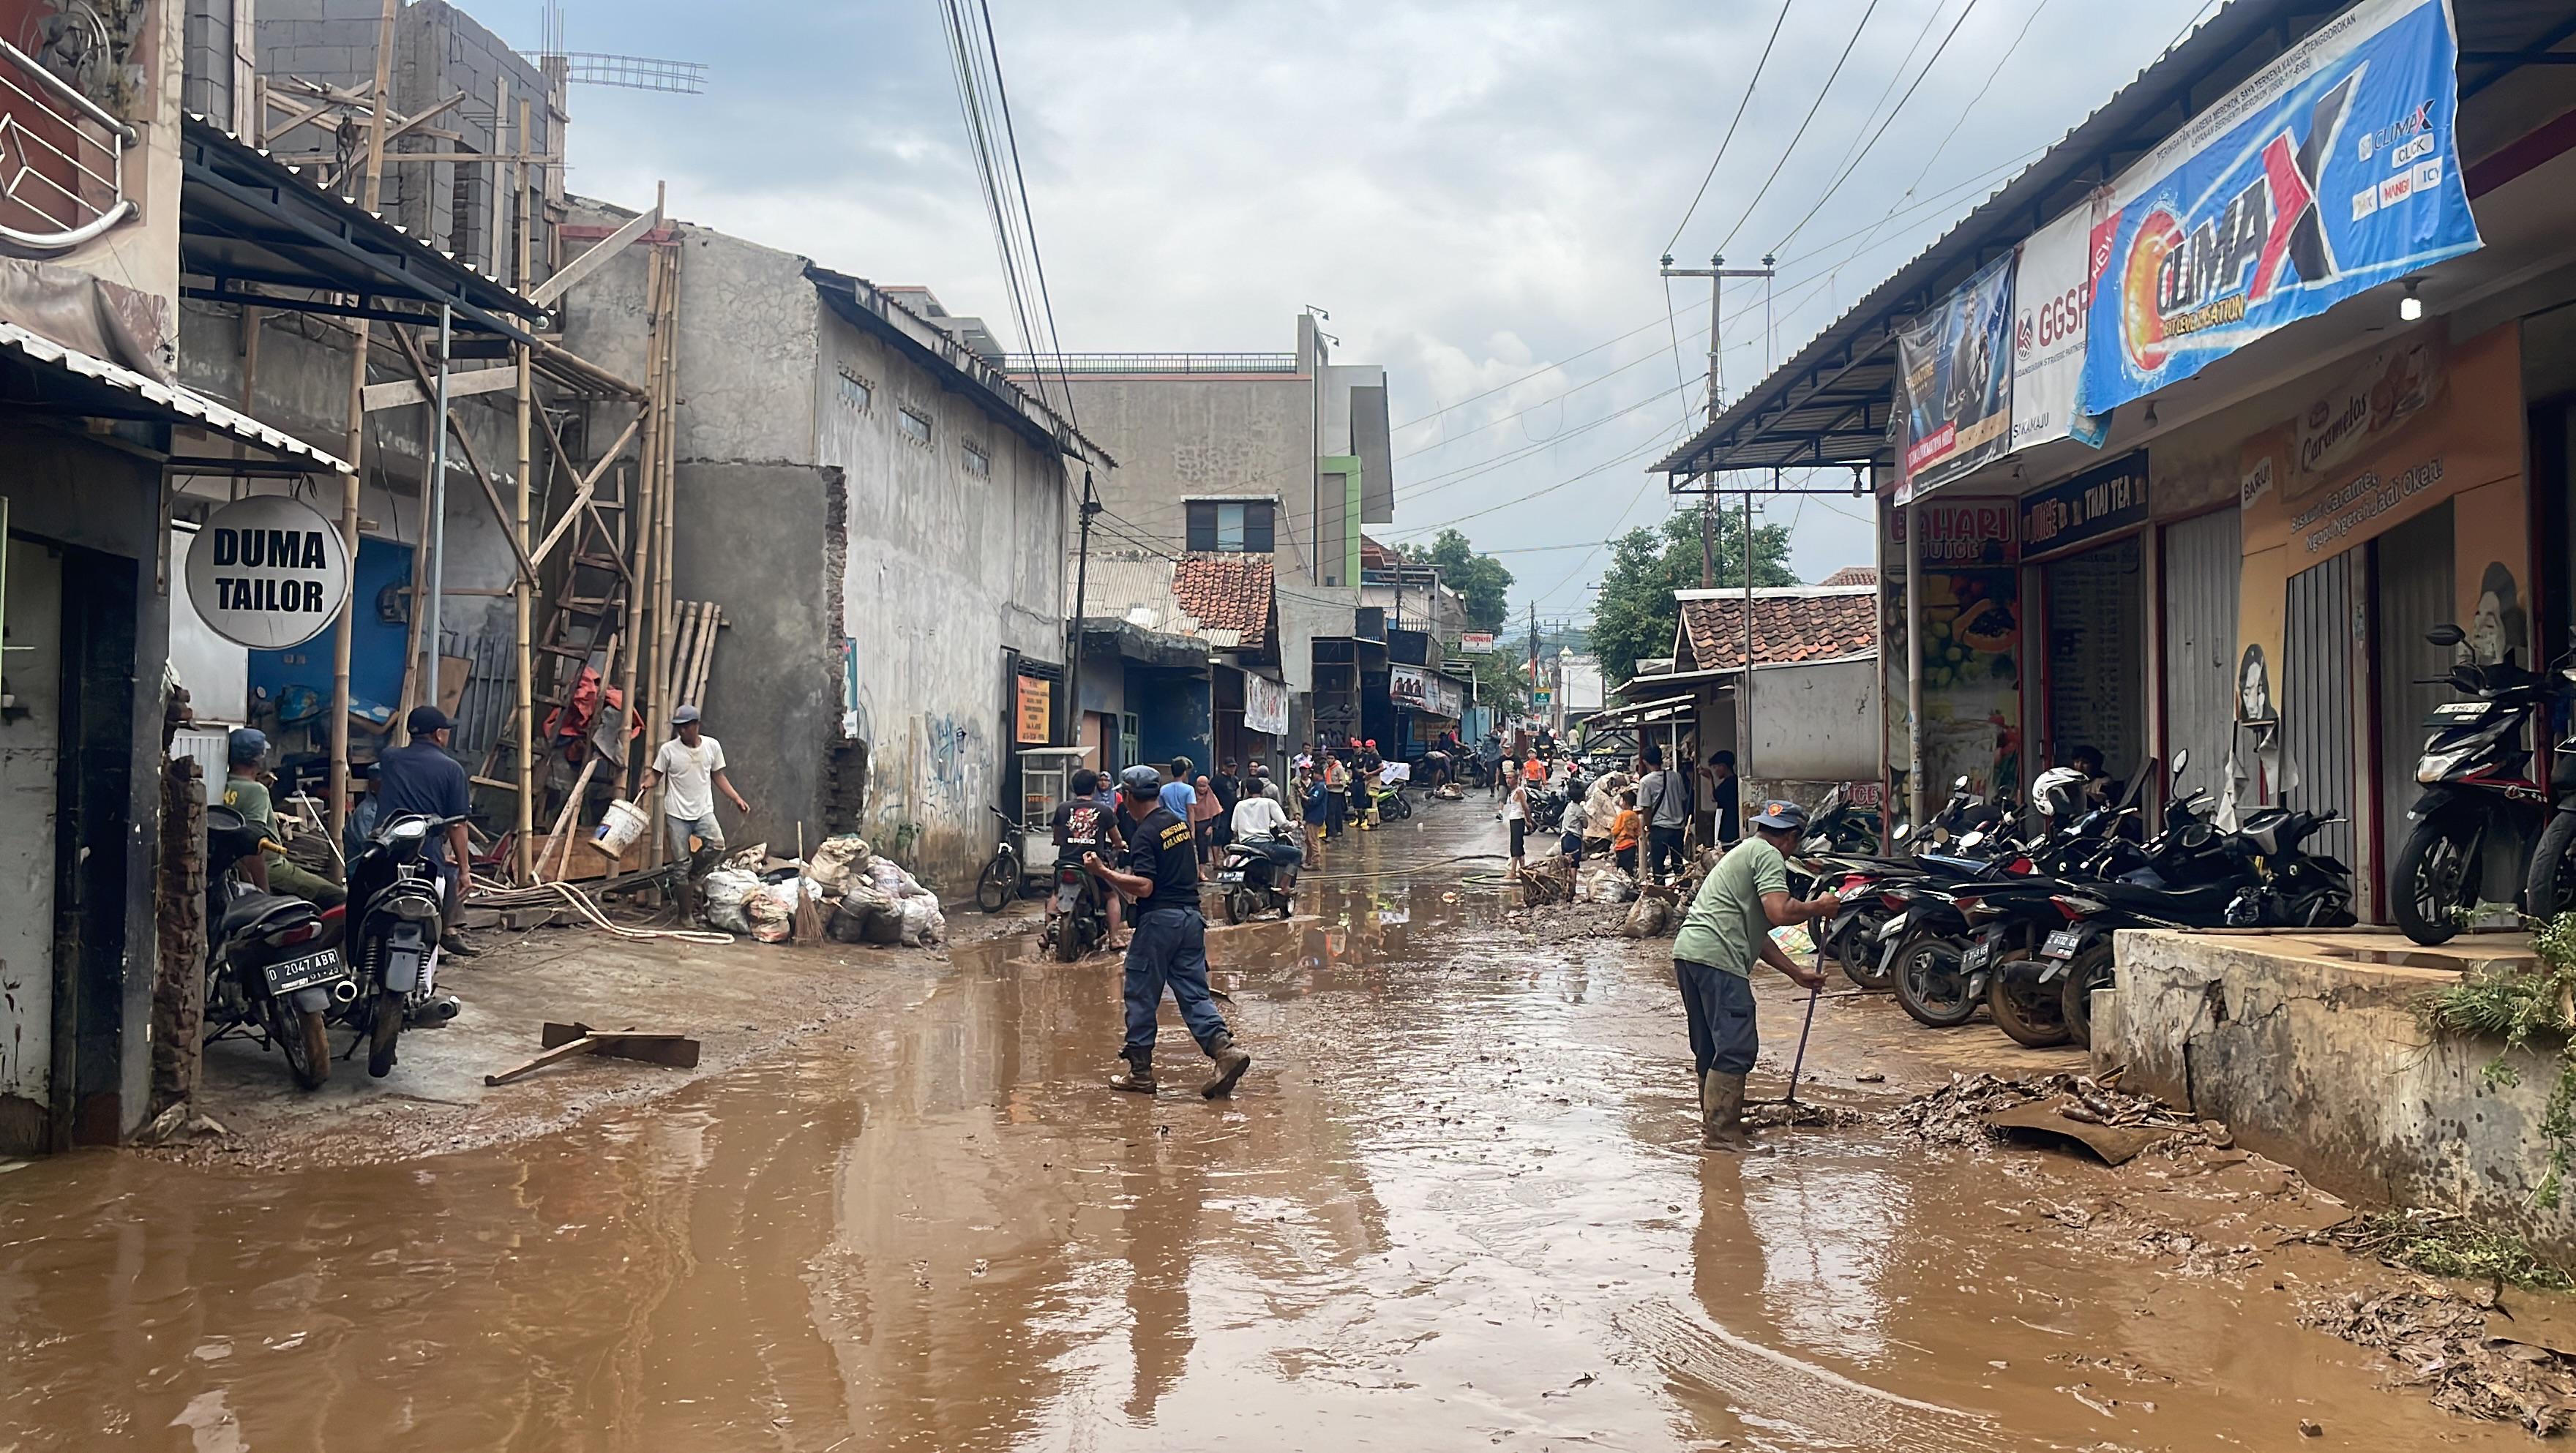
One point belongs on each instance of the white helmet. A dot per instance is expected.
(2056, 785)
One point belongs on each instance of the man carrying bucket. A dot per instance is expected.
(693, 764)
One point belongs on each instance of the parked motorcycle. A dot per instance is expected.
(395, 913)
(2549, 883)
(273, 970)
(1840, 827)
(1258, 875)
(1393, 805)
(1077, 912)
(2476, 777)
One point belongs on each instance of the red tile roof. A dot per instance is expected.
(1226, 592)
(1853, 575)
(1810, 625)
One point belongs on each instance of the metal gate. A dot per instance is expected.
(2414, 594)
(2201, 565)
(2321, 639)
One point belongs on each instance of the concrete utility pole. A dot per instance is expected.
(1081, 583)
(1717, 272)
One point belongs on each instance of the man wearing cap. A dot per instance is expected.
(693, 764)
(419, 779)
(1727, 927)
(1168, 948)
(246, 792)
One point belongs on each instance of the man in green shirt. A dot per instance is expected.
(245, 758)
(1729, 926)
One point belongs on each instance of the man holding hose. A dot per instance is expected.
(1729, 926)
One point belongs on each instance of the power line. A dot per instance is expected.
(1729, 138)
(1802, 127)
(1890, 120)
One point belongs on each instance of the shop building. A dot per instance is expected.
(2197, 504)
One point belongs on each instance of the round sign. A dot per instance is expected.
(268, 572)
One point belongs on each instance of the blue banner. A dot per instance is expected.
(2332, 171)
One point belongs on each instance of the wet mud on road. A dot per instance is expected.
(1458, 1203)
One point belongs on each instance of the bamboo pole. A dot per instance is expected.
(640, 505)
(354, 450)
(520, 593)
(666, 638)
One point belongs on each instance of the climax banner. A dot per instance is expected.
(1954, 383)
(2333, 170)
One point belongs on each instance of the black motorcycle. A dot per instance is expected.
(1258, 875)
(395, 914)
(1840, 827)
(2549, 884)
(273, 970)
(1077, 913)
(2476, 774)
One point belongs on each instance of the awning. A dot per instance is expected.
(68, 381)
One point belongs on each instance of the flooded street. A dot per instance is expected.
(1458, 1203)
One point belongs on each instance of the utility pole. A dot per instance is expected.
(1717, 272)
(1533, 653)
(1081, 582)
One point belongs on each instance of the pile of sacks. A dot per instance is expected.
(843, 893)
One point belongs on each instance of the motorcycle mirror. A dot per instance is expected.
(1961, 785)
(1904, 830)
(2446, 634)
(2182, 759)
(1971, 838)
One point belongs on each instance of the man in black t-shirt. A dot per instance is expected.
(1085, 824)
(1169, 946)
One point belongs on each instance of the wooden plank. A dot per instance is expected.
(544, 293)
(453, 672)
(567, 1050)
(404, 392)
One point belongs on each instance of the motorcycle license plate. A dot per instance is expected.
(1976, 956)
(1228, 880)
(1066, 896)
(2061, 944)
(304, 973)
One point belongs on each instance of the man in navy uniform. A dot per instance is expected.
(1169, 944)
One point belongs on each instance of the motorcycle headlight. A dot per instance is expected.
(2435, 766)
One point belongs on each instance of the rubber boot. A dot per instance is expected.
(1722, 1112)
(1138, 1077)
(1230, 1065)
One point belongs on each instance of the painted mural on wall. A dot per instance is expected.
(1970, 650)
(2400, 431)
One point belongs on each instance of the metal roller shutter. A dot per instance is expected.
(2319, 637)
(2201, 567)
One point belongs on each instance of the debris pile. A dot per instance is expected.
(844, 893)
(1960, 1112)
(2448, 1344)
(1770, 1114)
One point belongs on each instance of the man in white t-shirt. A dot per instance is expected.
(691, 765)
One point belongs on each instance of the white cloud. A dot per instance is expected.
(1471, 189)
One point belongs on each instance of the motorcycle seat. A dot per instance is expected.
(2199, 901)
(260, 912)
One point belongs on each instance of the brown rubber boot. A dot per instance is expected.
(1138, 1077)
(1722, 1113)
(1230, 1065)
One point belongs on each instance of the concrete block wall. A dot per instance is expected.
(2321, 1064)
(439, 51)
(206, 60)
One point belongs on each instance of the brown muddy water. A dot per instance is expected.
(1457, 1204)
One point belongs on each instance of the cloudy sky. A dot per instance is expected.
(1477, 192)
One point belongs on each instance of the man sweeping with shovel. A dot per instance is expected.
(1728, 926)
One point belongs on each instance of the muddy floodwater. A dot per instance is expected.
(1458, 1203)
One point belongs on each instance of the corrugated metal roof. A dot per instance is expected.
(183, 405)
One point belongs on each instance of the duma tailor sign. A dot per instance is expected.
(2331, 171)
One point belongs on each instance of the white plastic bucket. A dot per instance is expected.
(623, 823)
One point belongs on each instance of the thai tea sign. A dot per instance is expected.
(2096, 503)
(268, 572)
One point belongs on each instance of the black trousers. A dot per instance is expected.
(1663, 845)
(1724, 1036)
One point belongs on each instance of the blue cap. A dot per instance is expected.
(245, 746)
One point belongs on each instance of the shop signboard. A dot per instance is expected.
(1036, 714)
(2332, 170)
(1443, 697)
(2052, 294)
(1404, 686)
(1265, 705)
(1954, 383)
(2098, 503)
(268, 572)
(1476, 643)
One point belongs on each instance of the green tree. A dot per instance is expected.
(1636, 615)
(1501, 681)
(1480, 579)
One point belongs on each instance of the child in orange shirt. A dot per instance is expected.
(1624, 832)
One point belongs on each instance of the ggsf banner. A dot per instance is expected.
(2331, 171)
